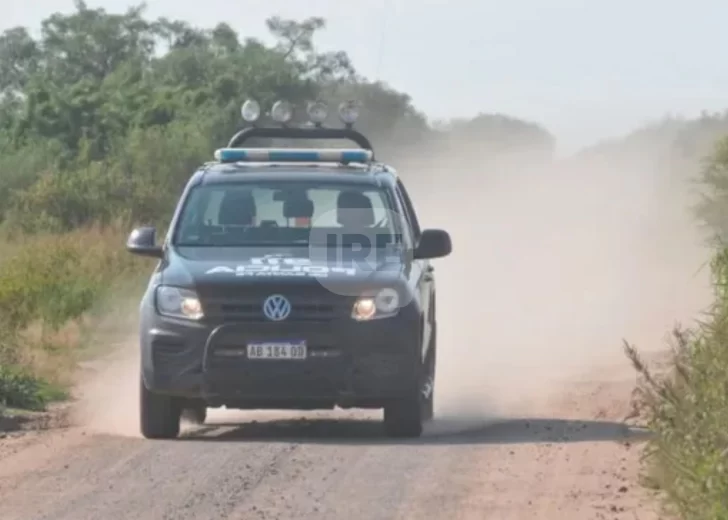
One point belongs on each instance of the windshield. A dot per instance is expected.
(286, 214)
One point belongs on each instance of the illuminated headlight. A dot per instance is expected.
(384, 304)
(178, 303)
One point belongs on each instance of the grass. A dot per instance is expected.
(55, 289)
(23, 390)
(687, 409)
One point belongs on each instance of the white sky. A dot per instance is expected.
(586, 69)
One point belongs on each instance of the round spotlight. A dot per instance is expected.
(250, 111)
(317, 112)
(349, 112)
(282, 111)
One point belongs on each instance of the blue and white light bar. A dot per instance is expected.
(334, 155)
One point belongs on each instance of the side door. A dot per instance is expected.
(422, 269)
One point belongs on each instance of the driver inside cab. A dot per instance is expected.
(298, 207)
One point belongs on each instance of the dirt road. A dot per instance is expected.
(575, 459)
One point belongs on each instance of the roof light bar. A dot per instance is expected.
(333, 155)
(282, 112)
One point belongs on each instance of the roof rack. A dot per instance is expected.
(282, 113)
(350, 134)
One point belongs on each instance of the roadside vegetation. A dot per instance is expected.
(687, 407)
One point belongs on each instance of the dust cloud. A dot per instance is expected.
(553, 264)
(108, 390)
(108, 397)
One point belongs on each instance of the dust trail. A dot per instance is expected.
(108, 395)
(107, 391)
(553, 264)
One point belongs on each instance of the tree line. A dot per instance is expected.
(105, 115)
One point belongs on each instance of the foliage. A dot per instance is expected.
(49, 284)
(713, 208)
(688, 413)
(21, 389)
(56, 278)
(112, 99)
(687, 408)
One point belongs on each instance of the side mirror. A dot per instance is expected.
(434, 243)
(142, 241)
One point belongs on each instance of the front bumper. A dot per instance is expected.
(348, 363)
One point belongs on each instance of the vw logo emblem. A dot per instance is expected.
(276, 307)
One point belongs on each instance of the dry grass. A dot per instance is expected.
(686, 407)
(54, 289)
(51, 354)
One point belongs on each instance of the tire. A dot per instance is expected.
(431, 369)
(159, 414)
(405, 417)
(196, 414)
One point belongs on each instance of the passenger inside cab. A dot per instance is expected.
(237, 209)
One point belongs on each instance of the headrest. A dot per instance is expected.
(354, 209)
(298, 206)
(237, 209)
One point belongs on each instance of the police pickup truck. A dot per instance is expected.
(290, 278)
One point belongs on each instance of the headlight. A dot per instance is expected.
(178, 303)
(383, 304)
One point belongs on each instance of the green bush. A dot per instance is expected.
(47, 281)
(20, 389)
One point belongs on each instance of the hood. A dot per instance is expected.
(206, 266)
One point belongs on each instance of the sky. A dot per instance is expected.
(585, 69)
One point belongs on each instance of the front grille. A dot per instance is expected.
(247, 311)
(250, 309)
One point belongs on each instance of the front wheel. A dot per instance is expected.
(159, 414)
(406, 416)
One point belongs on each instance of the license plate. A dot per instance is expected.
(277, 350)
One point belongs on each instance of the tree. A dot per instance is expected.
(19, 60)
(713, 208)
(110, 94)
